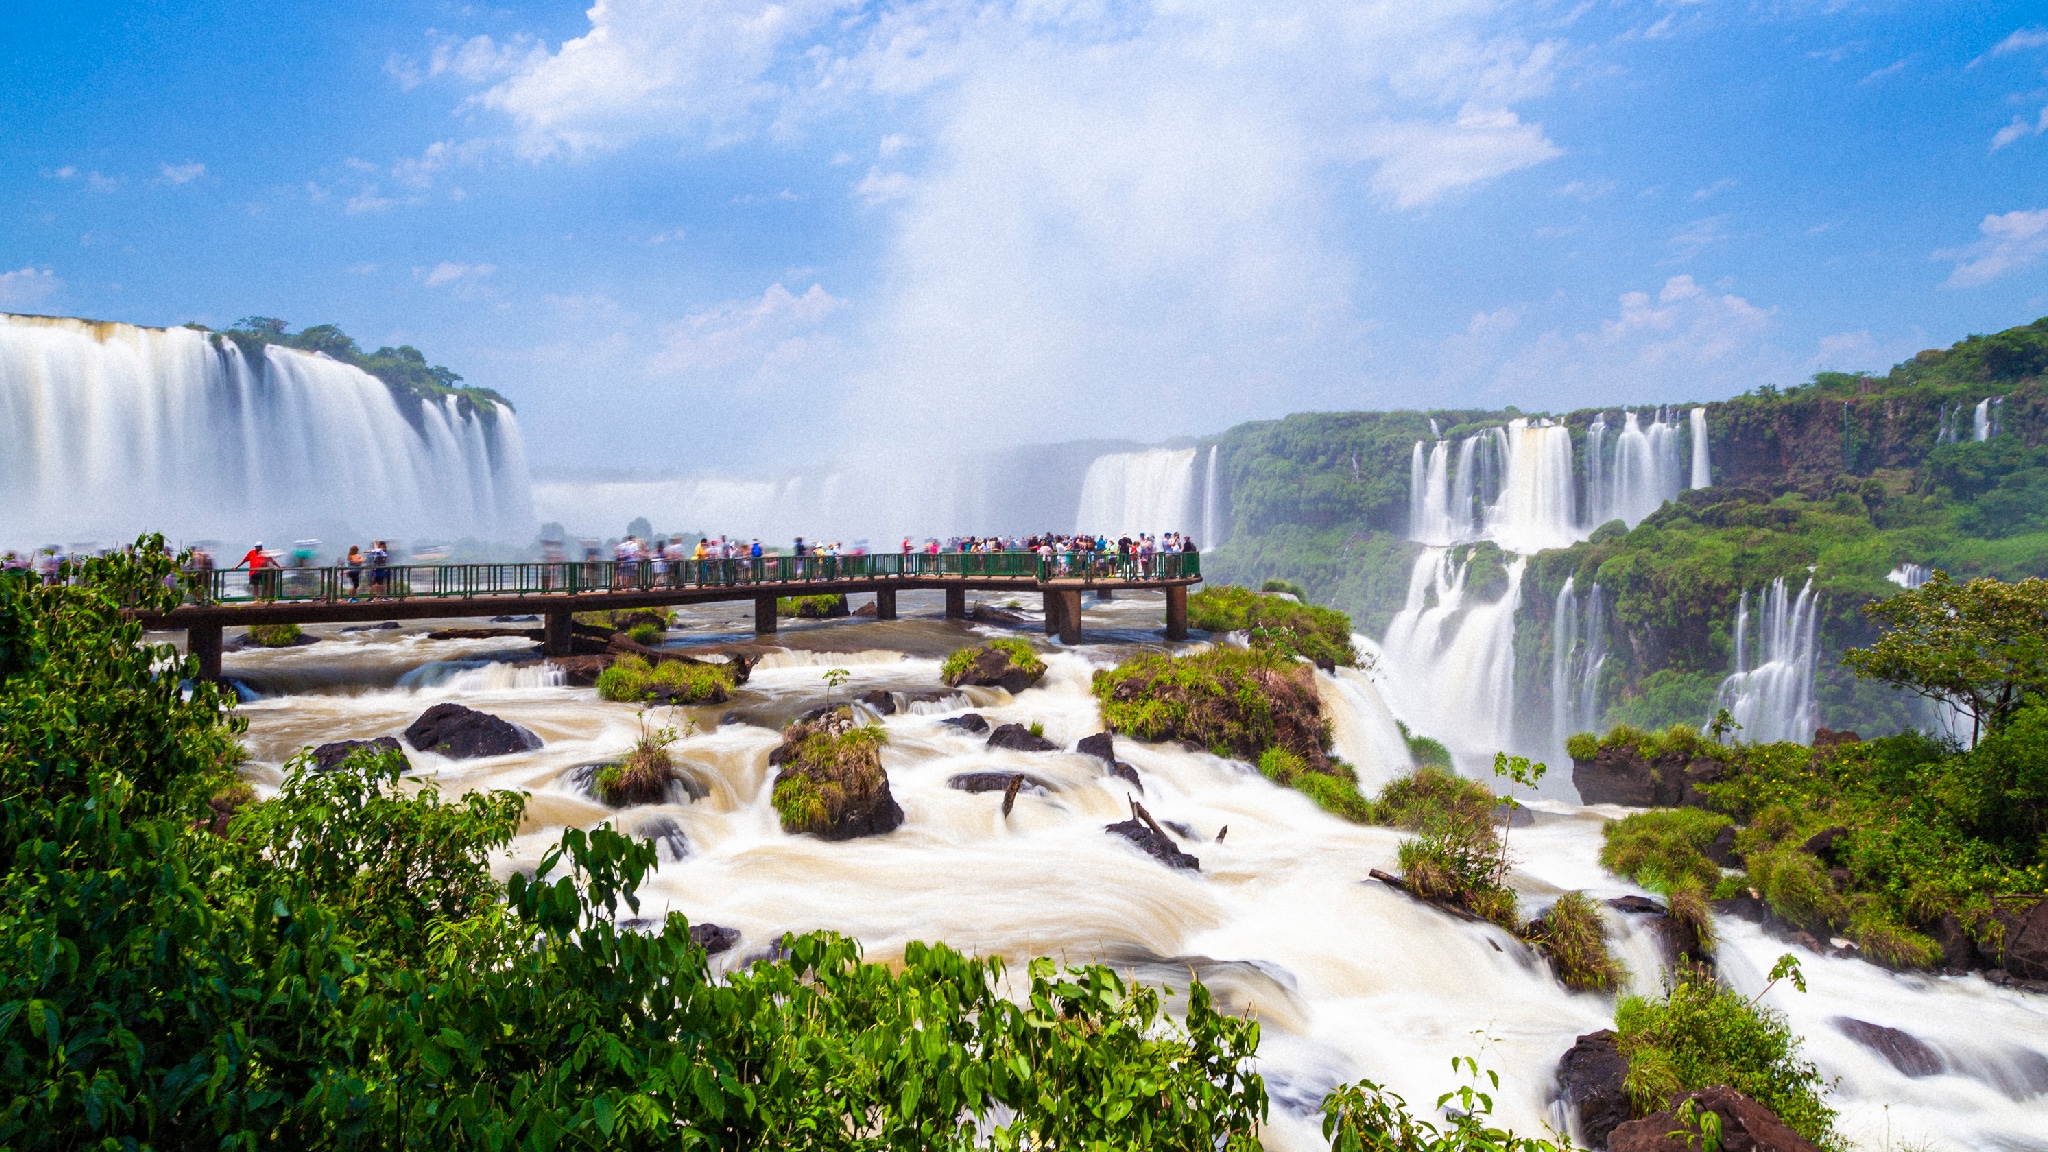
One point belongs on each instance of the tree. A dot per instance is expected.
(1981, 646)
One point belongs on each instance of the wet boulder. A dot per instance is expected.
(831, 784)
(882, 702)
(330, 756)
(997, 782)
(1102, 746)
(667, 837)
(1746, 1126)
(2025, 953)
(1142, 830)
(1127, 774)
(970, 722)
(1018, 738)
(714, 939)
(461, 733)
(1592, 1081)
(1905, 1051)
(1636, 906)
(1620, 774)
(1011, 665)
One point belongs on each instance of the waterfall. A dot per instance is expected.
(1773, 701)
(1135, 492)
(1211, 498)
(1578, 652)
(1644, 472)
(1538, 505)
(1980, 422)
(1451, 666)
(1943, 717)
(108, 430)
(1702, 464)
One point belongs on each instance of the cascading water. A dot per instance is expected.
(1451, 666)
(108, 430)
(1578, 651)
(1134, 492)
(1212, 493)
(1642, 473)
(1702, 463)
(1984, 421)
(1773, 700)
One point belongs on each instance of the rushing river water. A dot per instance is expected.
(1348, 977)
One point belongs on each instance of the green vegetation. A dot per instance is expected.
(1980, 647)
(643, 776)
(1335, 791)
(632, 680)
(1428, 793)
(1234, 702)
(1701, 1034)
(646, 635)
(1571, 936)
(1321, 635)
(403, 369)
(1365, 1117)
(1001, 653)
(275, 635)
(1664, 850)
(825, 606)
(1277, 585)
(340, 969)
(1463, 863)
(833, 766)
(626, 620)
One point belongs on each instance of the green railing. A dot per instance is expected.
(782, 573)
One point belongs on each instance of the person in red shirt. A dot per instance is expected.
(257, 561)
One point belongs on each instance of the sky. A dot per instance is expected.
(736, 236)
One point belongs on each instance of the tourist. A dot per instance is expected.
(380, 568)
(261, 571)
(354, 565)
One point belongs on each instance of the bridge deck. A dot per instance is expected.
(554, 591)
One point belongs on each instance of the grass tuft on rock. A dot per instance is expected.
(1289, 627)
(275, 635)
(1412, 801)
(1663, 849)
(643, 776)
(1701, 1034)
(986, 662)
(831, 769)
(1461, 861)
(632, 680)
(1334, 791)
(1234, 702)
(826, 606)
(1571, 935)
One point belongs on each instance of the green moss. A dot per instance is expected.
(631, 680)
(275, 635)
(1701, 1034)
(1022, 656)
(821, 607)
(1663, 849)
(1573, 938)
(1235, 702)
(1322, 635)
(831, 767)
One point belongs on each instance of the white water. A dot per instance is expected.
(1449, 665)
(1702, 462)
(1347, 977)
(1133, 492)
(109, 430)
(1773, 699)
(1212, 525)
(1578, 652)
(1641, 472)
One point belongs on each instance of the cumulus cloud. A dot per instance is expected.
(2019, 129)
(2010, 243)
(26, 286)
(1420, 161)
(182, 173)
(744, 331)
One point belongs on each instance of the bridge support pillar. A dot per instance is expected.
(1177, 612)
(764, 615)
(1070, 616)
(1052, 613)
(1105, 593)
(885, 603)
(203, 641)
(956, 603)
(557, 629)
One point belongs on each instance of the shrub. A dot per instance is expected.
(1701, 1034)
(1462, 862)
(1233, 702)
(275, 635)
(1020, 655)
(1574, 939)
(1425, 794)
(830, 766)
(645, 634)
(1334, 793)
(1426, 753)
(1322, 635)
(1582, 746)
(1278, 585)
(643, 776)
(824, 606)
(1663, 849)
(631, 680)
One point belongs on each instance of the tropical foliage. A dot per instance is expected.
(403, 369)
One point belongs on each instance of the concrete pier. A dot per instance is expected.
(885, 603)
(203, 641)
(956, 603)
(764, 615)
(1176, 612)
(557, 630)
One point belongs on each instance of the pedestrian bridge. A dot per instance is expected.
(221, 598)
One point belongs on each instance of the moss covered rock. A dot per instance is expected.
(831, 784)
(1011, 665)
(1639, 769)
(826, 607)
(1231, 701)
(632, 680)
(1279, 621)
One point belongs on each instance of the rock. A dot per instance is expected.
(1907, 1052)
(1958, 951)
(1102, 746)
(866, 611)
(1635, 905)
(1591, 1080)
(1808, 941)
(1518, 816)
(713, 939)
(1743, 906)
(1822, 843)
(1746, 1126)
(848, 782)
(1722, 850)
(579, 671)
(667, 835)
(386, 626)
(328, 757)
(1829, 738)
(993, 667)
(1620, 775)
(461, 733)
(1128, 775)
(2025, 952)
(997, 782)
(533, 634)
(1146, 833)
(1018, 738)
(970, 722)
(985, 614)
(510, 620)
(884, 703)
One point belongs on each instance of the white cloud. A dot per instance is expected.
(449, 273)
(2011, 242)
(891, 144)
(368, 201)
(26, 286)
(1895, 66)
(99, 183)
(1717, 187)
(2022, 40)
(1699, 235)
(2019, 129)
(748, 333)
(879, 187)
(67, 172)
(182, 173)
(1587, 191)
(1420, 161)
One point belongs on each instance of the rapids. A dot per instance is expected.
(1348, 977)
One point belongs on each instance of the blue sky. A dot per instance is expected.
(727, 235)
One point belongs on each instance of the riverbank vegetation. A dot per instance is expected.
(824, 606)
(1275, 621)
(403, 369)
(632, 680)
(1233, 702)
(1006, 662)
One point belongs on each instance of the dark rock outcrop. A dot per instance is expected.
(461, 733)
(1150, 838)
(1722, 850)
(1746, 1126)
(1636, 905)
(1620, 775)
(667, 836)
(969, 722)
(1907, 1052)
(849, 791)
(386, 626)
(328, 757)
(1592, 1081)
(1128, 775)
(713, 939)
(997, 782)
(1958, 950)
(994, 666)
(2025, 951)
(884, 703)
(1102, 746)
(1018, 738)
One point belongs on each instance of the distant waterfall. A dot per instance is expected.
(1136, 492)
(1984, 423)
(108, 430)
(1451, 666)
(1512, 485)
(1702, 465)
(1773, 699)
(1578, 650)
(1640, 473)
(1212, 528)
